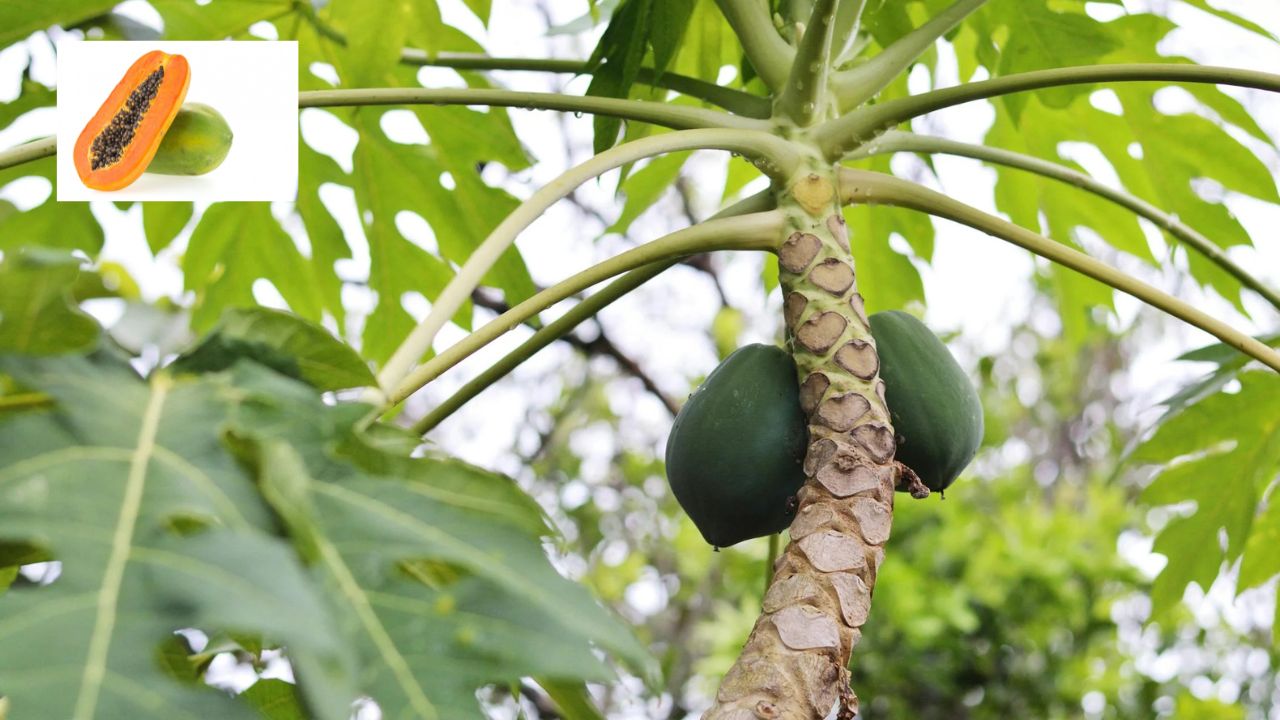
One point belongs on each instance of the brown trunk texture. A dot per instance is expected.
(794, 664)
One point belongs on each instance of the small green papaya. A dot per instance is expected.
(196, 143)
(935, 409)
(736, 448)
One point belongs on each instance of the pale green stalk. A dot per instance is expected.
(896, 141)
(561, 326)
(857, 85)
(848, 22)
(847, 133)
(735, 101)
(777, 157)
(862, 187)
(758, 231)
(546, 335)
(805, 92)
(672, 116)
(34, 150)
(767, 52)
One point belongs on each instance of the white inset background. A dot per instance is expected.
(254, 85)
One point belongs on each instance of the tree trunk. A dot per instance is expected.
(794, 664)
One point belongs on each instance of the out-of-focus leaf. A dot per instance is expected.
(283, 341)
(52, 224)
(38, 314)
(374, 38)
(20, 19)
(573, 699)
(187, 20)
(275, 700)
(437, 566)
(645, 186)
(1232, 18)
(1040, 37)
(138, 469)
(236, 244)
(162, 221)
(1220, 453)
(31, 95)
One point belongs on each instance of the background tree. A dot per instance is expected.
(183, 463)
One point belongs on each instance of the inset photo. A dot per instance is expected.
(211, 121)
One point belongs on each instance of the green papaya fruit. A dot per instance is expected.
(196, 143)
(935, 409)
(736, 448)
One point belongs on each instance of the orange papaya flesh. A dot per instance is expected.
(116, 146)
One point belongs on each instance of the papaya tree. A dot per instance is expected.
(216, 476)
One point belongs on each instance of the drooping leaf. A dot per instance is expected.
(38, 313)
(129, 486)
(275, 700)
(283, 341)
(617, 60)
(162, 221)
(1220, 453)
(436, 566)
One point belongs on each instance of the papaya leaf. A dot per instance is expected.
(1220, 453)
(645, 187)
(38, 314)
(18, 20)
(617, 60)
(283, 341)
(53, 224)
(187, 20)
(129, 485)
(162, 221)
(436, 566)
(233, 246)
(275, 699)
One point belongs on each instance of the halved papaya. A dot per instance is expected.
(119, 142)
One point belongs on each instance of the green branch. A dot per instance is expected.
(848, 23)
(806, 88)
(767, 52)
(548, 334)
(23, 401)
(895, 141)
(563, 325)
(735, 101)
(759, 231)
(663, 114)
(861, 186)
(742, 103)
(34, 150)
(775, 156)
(856, 86)
(844, 134)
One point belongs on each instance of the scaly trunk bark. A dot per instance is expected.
(794, 664)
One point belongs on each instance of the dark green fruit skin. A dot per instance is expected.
(196, 143)
(736, 449)
(936, 412)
